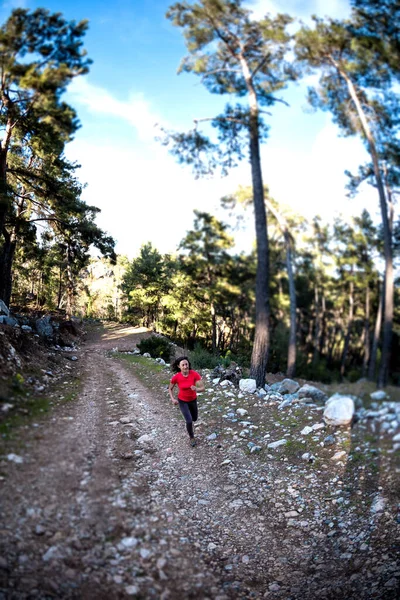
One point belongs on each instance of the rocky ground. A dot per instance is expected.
(102, 497)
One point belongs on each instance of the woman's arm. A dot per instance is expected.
(171, 393)
(200, 385)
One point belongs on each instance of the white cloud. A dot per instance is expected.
(136, 111)
(314, 182)
(143, 198)
(300, 8)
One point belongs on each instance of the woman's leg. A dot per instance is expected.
(193, 410)
(185, 410)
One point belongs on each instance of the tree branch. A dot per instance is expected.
(196, 121)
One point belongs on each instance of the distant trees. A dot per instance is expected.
(146, 280)
(209, 296)
(40, 53)
(356, 86)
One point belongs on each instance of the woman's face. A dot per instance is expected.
(184, 366)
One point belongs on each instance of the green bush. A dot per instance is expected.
(200, 358)
(157, 347)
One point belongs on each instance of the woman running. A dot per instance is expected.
(189, 382)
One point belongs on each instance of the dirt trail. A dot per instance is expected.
(111, 502)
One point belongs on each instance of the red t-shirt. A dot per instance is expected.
(185, 393)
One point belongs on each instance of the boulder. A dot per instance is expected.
(44, 327)
(378, 395)
(3, 309)
(309, 391)
(248, 385)
(233, 373)
(339, 410)
(11, 321)
(289, 386)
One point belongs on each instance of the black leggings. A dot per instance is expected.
(189, 411)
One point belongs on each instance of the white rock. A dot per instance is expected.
(255, 449)
(284, 403)
(226, 383)
(127, 542)
(339, 455)
(15, 458)
(242, 412)
(215, 381)
(143, 439)
(160, 361)
(378, 504)
(125, 420)
(378, 395)
(147, 355)
(339, 410)
(318, 426)
(248, 385)
(396, 438)
(277, 444)
(132, 590)
(236, 503)
(306, 430)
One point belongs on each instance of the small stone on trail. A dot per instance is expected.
(15, 458)
(131, 590)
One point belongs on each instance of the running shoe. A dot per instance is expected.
(193, 442)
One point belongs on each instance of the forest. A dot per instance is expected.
(312, 299)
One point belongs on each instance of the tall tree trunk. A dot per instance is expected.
(259, 356)
(317, 326)
(213, 329)
(4, 191)
(322, 336)
(59, 288)
(6, 262)
(376, 336)
(291, 364)
(366, 334)
(70, 285)
(349, 328)
(387, 235)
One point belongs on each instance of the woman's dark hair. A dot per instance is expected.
(175, 364)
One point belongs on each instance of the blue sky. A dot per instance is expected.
(132, 85)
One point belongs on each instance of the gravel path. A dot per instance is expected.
(110, 501)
